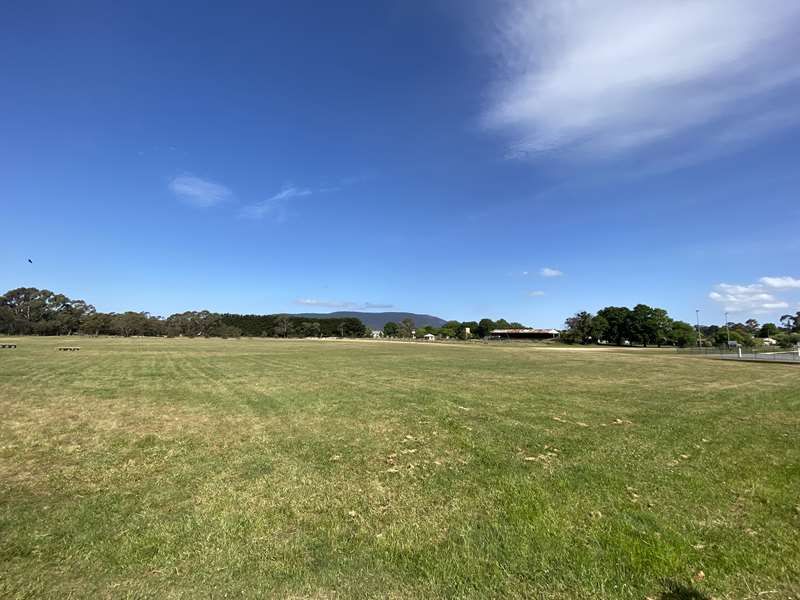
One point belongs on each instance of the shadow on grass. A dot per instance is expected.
(678, 591)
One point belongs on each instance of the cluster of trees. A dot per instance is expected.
(31, 311)
(642, 325)
(293, 326)
(34, 311)
(645, 325)
(451, 329)
(752, 333)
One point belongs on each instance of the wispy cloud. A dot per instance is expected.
(550, 272)
(275, 206)
(751, 298)
(780, 283)
(199, 192)
(536, 293)
(602, 78)
(290, 192)
(341, 304)
(344, 182)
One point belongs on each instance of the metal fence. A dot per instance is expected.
(764, 353)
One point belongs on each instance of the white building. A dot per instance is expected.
(428, 337)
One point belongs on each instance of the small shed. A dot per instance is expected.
(428, 337)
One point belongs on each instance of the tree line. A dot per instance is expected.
(294, 326)
(752, 333)
(31, 311)
(647, 326)
(452, 329)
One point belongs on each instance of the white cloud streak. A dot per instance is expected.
(275, 206)
(341, 304)
(536, 293)
(599, 78)
(199, 192)
(550, 272)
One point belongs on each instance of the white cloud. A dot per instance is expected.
(751, 298)
(605, 77)
(550, 272)
(341, 304)
(289, 192)
(536, 293)
(274, 206)
(198, 192)
(780, 283)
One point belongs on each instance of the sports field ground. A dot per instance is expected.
(156, 468)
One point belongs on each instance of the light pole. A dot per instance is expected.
(699, 335)
(727, 329)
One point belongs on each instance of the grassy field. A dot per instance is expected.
(232, 468)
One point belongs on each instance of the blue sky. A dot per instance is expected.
(516, 159)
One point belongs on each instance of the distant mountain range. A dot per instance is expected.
(376, 320)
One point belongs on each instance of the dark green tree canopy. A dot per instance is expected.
(642, 325)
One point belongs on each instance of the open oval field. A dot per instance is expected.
(184, 468)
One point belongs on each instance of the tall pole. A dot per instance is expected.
(699, 335)
(727, 329)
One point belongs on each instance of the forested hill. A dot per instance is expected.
(376, 320)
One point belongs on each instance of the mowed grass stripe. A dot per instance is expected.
(184, 468)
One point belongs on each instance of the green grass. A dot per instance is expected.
(232, 468)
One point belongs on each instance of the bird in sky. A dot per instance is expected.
(30, 261)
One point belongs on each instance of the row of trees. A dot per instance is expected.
(752, 333)
(451, 329)
(293, 326)
(31, 311)
(621, 325)
(648, 326)
(26, 311)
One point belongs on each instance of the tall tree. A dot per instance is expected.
(484, 327)
(791, 322)
(283, 325)
(752, 326)
(647, 325)
(406, 328)
(768, 330)
(683, 334)
(618, 320)
(579, 328)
